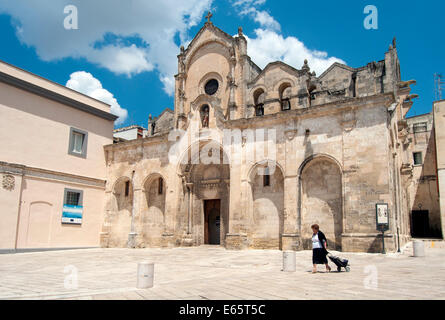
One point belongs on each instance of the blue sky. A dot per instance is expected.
(126, 51)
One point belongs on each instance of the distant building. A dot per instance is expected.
(423, 200)
(52, 164)
(129, 133)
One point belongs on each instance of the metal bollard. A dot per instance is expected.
(418, 248)
(289, 261)
(145, 275)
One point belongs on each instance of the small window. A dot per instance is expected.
(127, 188)
(266, 178)
(420, 127)
(259, 110)
(78, 143)
(161, 186)
(418, 158)
(73, 197)
(285, 104)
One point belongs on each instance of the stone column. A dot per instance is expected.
(168, 236)
(236, 237)
(290, 237)
(134, 237)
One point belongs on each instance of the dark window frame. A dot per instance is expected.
(421, 158)
(258, 107)
(65, 196)
(284, 102)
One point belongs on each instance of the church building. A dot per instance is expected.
(250, 158)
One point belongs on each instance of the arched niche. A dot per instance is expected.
(152, 217)
(266, 205)
(321, 200)
(120, 212)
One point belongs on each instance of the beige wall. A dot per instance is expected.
(41, 215)
(34, 140)
(35, 132)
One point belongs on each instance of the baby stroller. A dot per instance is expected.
(339, 262)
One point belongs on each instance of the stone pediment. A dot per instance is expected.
(208, 33)
(277, 64)
(334, 66)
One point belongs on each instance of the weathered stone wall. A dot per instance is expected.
(267, 223)
(337, 154)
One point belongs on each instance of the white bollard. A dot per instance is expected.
(289, 261)
(418, 248)
(145, 275)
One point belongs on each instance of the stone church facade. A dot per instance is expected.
(338, 148)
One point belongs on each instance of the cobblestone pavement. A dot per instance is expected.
(208, 272)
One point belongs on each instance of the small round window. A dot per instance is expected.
(211, 87)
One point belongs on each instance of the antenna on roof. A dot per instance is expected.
(439, 86)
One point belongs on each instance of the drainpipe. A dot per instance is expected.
(132, 234)
(18, 212)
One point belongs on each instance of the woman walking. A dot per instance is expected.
(319, 252)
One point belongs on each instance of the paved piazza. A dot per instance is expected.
(208, 272)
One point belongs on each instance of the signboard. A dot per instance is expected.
(382, 216)
(72, 214)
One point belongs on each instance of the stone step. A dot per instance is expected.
(429, 243)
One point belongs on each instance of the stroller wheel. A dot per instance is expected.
(339, 269)
(348, 269)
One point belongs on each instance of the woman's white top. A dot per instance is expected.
(316, 242)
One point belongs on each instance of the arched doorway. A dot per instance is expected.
(321, 200)
(204, 204)
(267, 205)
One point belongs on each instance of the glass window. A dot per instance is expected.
(420, 127)
(72, 198)
(77, 142)
(417, 158)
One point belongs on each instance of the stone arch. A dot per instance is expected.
(120, 212)
(284, 81)
(321, 199)
(152, 217)
(266, 205)
(123, 199)
(203, 182)
(285, 93)
(259, 99)
(192, 57)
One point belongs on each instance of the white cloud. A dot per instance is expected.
(155, 23)
(269, 45)
(85, 83)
